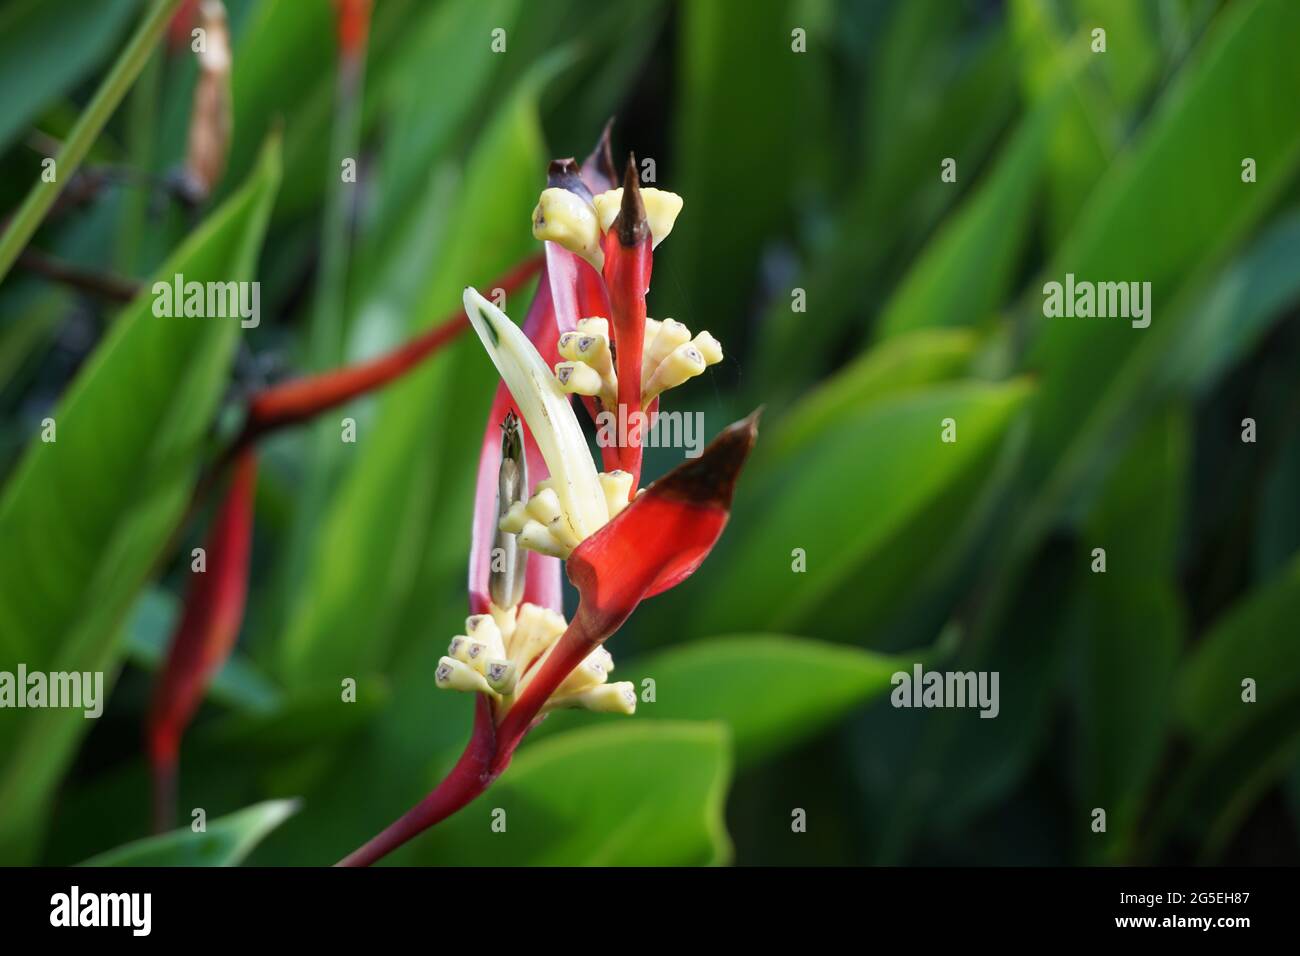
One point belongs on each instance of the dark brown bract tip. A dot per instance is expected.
(598, 170)
(710, 480)
(630, 224)
(564, 174)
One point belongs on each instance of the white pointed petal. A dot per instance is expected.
(547, 411)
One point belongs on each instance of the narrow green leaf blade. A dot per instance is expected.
(74, 555)
(225, 842)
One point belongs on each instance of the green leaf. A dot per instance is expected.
(438, 59)
(226, 841)
(1138, 516)
(620, 795)
(851, 501)
(1249, 641)
(73, 554)
(1130, 636)
(304, 718)
(381, 518)
(1277, 511)
(264, 94)
(933, 92)
(1130, 624)
(771, 690)
(902, 362)
(964, 273)
(947, 765)
(729, 63)
(48, 46)
(1132, 57)
(1246, 298)
(22, 225)
(1082, 141)
(1227, 776)
(1229, 102)
(28, 336)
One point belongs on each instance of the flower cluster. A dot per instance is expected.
(500, 652)
(586, 333)
(669, 357)
(503, 649)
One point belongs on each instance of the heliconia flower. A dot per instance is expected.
(206, 632)
(653, 544)
(523, 659)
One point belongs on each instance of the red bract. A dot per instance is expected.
(209, 625)
(654, 544)
(628, 262)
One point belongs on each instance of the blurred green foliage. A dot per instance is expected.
(859, 295)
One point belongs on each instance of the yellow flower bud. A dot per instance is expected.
(515, 518)
(682, 363)
(477, 654)
(457, 675)
(661, 210)
(594, 325)
(544, 506)
(568, 220)
(536, 630)
(586, 675)
(578, 378)
(618, 698)
(617, 485)
(709, 347)
(482, 627)
(586, 347)
(505, 618)
(536, 537)
(501, 676)
(670, 335)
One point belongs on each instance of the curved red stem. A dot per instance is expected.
(471, 775)
(301, 398)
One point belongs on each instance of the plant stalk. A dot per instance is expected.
(87, 129)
